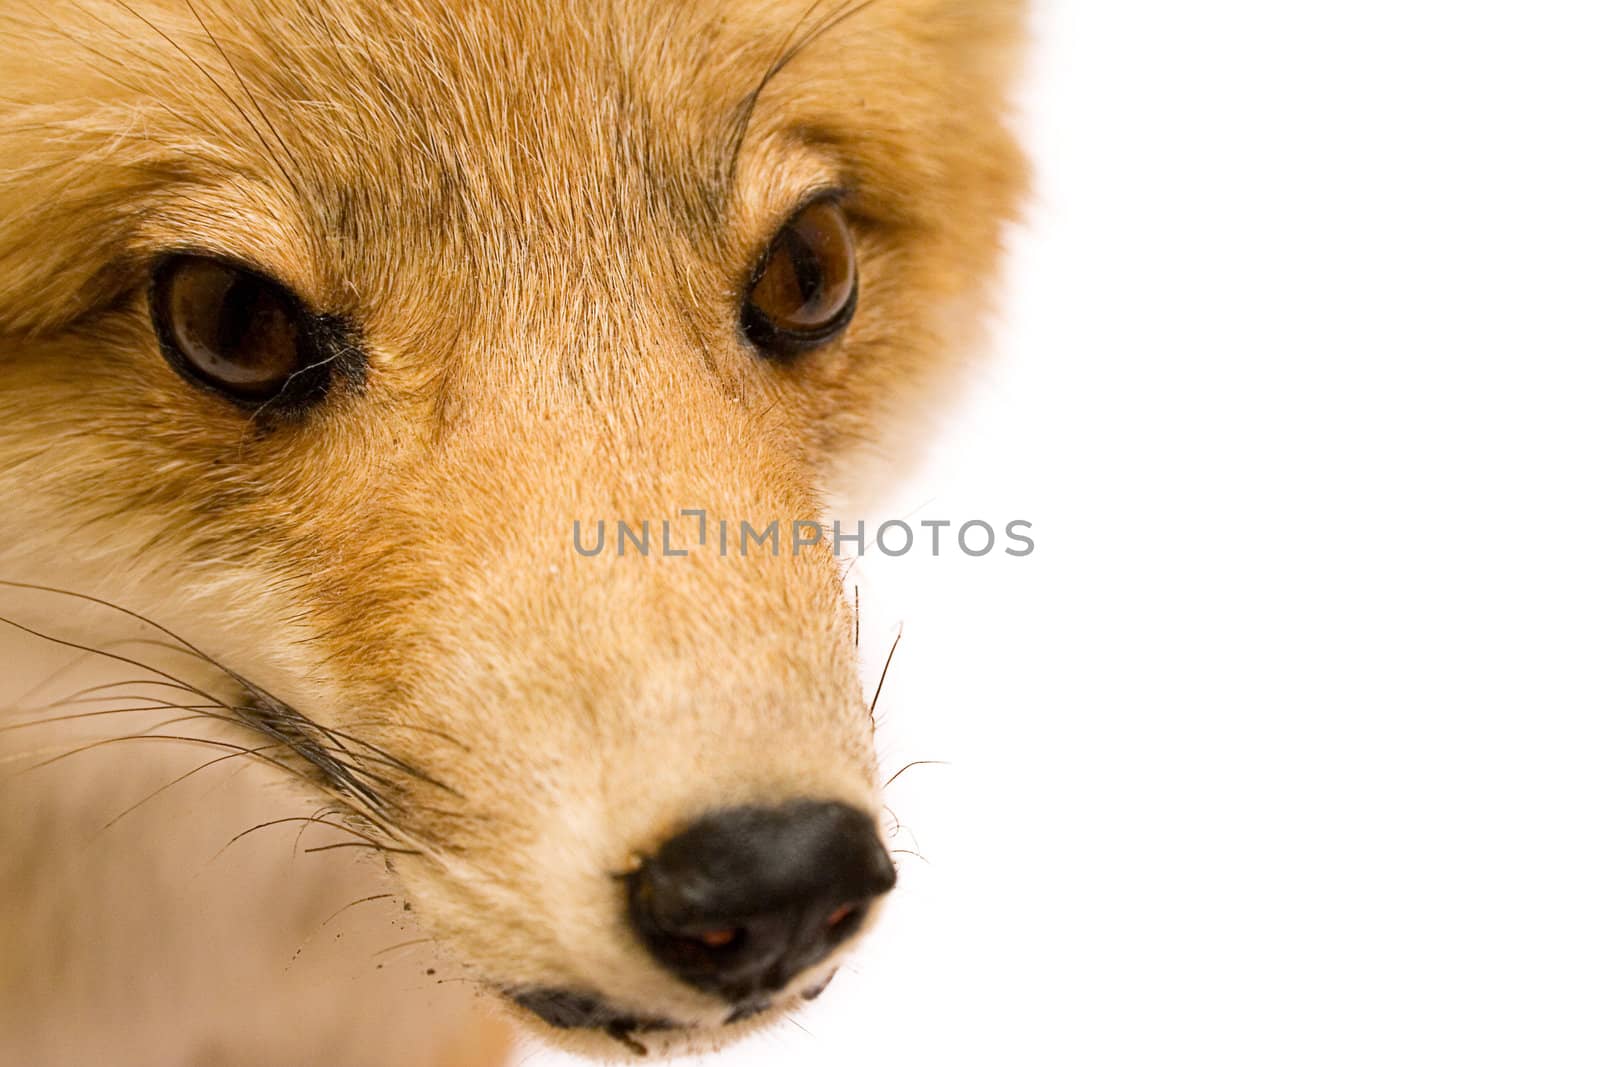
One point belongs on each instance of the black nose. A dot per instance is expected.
(746, 898)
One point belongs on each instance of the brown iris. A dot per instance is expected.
(804, 293)
(227, 327)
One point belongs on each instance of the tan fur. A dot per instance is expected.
(534, 215)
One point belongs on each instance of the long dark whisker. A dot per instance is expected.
(102, 653)
(8, 727)
(182, 778)
(282, 723)
(338, 912)
(249, 95)
(747, 107)
(787, 52)
(254, 690)
(82, 696)
(915, 763)
(256, 753)
(179, 738)
(339, 736)
(873, 707)
(353, 903)
(307, 819)
(403, 944)
(71, 665)
(363, 844)
(206, 73)
(185, 645)
(320, 813)
(313, 742)
(178, 720)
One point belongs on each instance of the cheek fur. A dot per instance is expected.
(388, 620)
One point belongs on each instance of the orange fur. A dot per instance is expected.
(535, 214)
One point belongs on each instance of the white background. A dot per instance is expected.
(1282, 748)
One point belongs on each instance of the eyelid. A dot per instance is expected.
(328, 347)
(782, 333)
(817, 194)
(302, 289)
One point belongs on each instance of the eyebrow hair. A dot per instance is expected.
(794, 43)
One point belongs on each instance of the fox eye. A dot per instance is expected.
(227, 328)
(804, 292)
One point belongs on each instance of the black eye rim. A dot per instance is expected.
(328, 346)
(772, 341)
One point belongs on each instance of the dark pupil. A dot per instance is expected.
(810, 277)
(245, 308)
(233, 326)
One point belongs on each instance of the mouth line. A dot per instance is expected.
(571, 1009)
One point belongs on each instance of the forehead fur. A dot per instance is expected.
(331, 141)
(539, 215)
(540, 218)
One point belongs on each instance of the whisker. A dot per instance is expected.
(64, 643)
(363, 844)
(915, 763)
(307, 819)
(787, 53)
(182, 778)
(378, 753)
(873, 707)
(72, 664)
(348, 764)
(75, 716)
(184, 645)
(82, 696)
(178, 738)
(748, 106)
(401, 945)
(300, 948)
(325, 810)
(251, 96)
(353, 903)
(206, 73)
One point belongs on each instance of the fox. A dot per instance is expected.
(323, 326)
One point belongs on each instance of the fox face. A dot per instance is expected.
(323, 329)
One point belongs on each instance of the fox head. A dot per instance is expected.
(324, 327)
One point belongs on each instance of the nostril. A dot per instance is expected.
(696, 951)
(723, 938)
(746, 898)
(844, 921)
